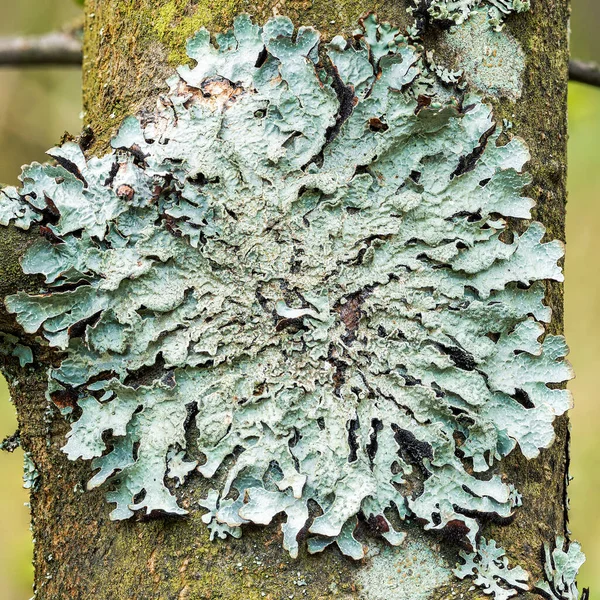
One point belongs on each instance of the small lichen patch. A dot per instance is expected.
(305, 259)
(412, 572)
(459, 11)
(30, 473)
(492, 61)
(488, 566)
(561, 568)
(10, 346)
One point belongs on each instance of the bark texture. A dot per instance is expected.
(131, 46)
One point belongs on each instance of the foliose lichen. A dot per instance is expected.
(488, 566)
(458, 11)
(30, 473)
(308, 255)
(561, 568)
(413, 571)
(10, 346)
(490, 61)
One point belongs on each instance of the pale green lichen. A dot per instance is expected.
(30, 473)
(10, 346)
(313, 262)
(492, 62)
(459, 11)
(561, 568)
(412, 572)
(488, 565)
(14, 210)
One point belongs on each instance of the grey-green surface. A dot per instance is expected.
(338, 289)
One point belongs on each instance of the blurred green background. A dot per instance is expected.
(38, 105)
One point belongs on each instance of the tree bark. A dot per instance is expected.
(130, 47)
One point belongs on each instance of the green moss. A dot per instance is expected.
(164, 19)
(13, 243)
(216, 570)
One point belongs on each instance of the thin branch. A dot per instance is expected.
(64, 48)
(56, 48)
(584, 72)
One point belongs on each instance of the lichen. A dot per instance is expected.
(459, 11)
(561, 568)
(10, 346)
(30, 473)
(309, 259)
(13, 210)
(412, 572)
(492, 62)
(488, 566)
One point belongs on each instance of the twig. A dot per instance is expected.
(64, 48)
(584, 72)
(56, 48)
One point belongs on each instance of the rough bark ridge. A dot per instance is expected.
(130, 48)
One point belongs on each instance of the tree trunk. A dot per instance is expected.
(131, 47)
